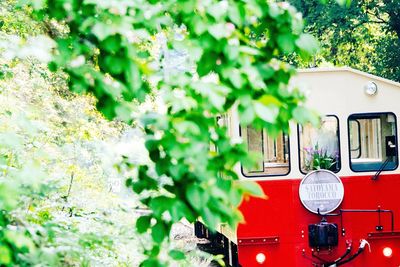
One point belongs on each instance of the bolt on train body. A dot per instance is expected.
(333, 190)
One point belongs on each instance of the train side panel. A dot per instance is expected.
(278, 227)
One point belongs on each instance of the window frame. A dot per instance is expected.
(339, 146)
(267, 175)
(359, 149)
(373, 115)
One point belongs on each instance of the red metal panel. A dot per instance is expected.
(283, 216)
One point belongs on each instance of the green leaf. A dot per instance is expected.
(177, 254)
(274, 10)
(199, 25)
(235, 77)
(249, 50)
(286, 43)
(134, 78)
(231, 52)
(235, 197)
(111, 44)
(187, 6)
(159, 232)
(218, 31)
(160, 204)
(342, 2)
(185, 127)
(222, 207)
(5, 255)
(143, 223)
(178, 210)
(206, 64)
(216, 94)
(196, 196)
(247, 114)
(155, 251)
(210, 218)
(267, 113)
(113, 25)
(151, 263)
(307, 43)
(303, 115)
(236, 13)
(252, 188)
(218, 10)
(268, 100)
(114, 64)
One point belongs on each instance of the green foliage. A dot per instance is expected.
(232, 49)
(232, 45)
(18, 21)
(46, 133)
(44, 138)
(362, 34)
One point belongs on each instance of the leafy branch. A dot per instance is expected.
(106, 53)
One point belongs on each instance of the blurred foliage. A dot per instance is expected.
(232, 50)
(62, 202)
(364, 34)
(120, 52)
(57, 198)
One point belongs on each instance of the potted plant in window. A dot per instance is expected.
(319, 158)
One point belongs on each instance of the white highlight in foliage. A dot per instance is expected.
(77, 62)
(39, 47)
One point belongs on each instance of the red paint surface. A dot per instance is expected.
(284, 216)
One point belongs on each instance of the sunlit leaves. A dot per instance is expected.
(286, 43)
(343, 2)
(196, 196)
(218, 31)
(233, 46)
(177, 254)
(308, 44)
(252, 188)
(215, 94)
(268, 113)
(114, 25)
(5, 255)
(303, 115)
(14, 47)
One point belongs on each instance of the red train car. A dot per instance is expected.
(333, 189)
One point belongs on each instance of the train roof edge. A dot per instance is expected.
(351, 70)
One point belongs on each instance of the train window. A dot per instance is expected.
(272, 153)
(319, 146)
(372, 142)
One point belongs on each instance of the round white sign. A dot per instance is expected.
(321, 191)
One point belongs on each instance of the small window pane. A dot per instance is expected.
(373, 142)
(319, 146)
(272, 153)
